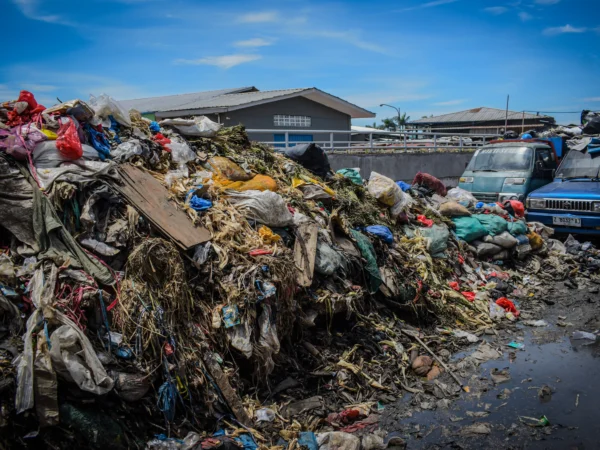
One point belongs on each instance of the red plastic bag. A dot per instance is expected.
(469, 296)
(507, 305)
(67, 142)
(424, 220)
(454, 285)
(162, 140)
(26, 96)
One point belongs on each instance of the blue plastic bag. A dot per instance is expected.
(381, 232)
(200, 204)
(99, 142)
(154, 126)
(402, 185)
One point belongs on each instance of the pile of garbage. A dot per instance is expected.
(172, 279)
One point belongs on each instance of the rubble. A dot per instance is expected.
(175, 284)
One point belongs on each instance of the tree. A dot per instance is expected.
(403, 120)
(389, 124)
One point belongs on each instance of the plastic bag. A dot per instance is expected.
(469, 228)
(485, 249)
(338, 440)
(454, 209)
(461, 196)
(384, 189)
(172, 175)
(258, 183)
(267, 207)
(46, 156)
(328, 261)
(198, 126)
(226, 168)
(352, 174)
(505, 240)
(517, 228)
(535, 240)
(437, 237)
(127, 150)
(311, 157)
(105, 106)
(492, 223)
(67, 142)
(381, 232)
(181, 153)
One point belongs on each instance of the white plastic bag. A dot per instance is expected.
(126, 150)
(181, 152)
(105, 106)
(461, 196)
(267, 207)
(172, 175)
(198, 126)
(384, 189)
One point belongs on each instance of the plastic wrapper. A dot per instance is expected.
(46, 155)
(338, 440)
(384, 189)
(67, 142)
(173, 175)
(461, 196)
(105, 106)
(198, 126)
(267, 207)
(127, 150)
(181, 152)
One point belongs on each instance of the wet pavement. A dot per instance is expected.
(566, 369)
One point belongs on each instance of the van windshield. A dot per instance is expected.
(500, 159)
(579, 165)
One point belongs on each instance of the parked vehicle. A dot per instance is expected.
(571, 204)
(509, 170)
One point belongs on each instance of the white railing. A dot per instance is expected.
(399, 140)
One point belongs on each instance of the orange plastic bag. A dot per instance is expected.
(267, 235)
(535, 240)
(67, 141)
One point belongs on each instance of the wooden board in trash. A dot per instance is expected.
(151, 199)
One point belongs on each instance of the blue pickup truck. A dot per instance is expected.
(571, 203)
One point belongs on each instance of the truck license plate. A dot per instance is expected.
(569, 221)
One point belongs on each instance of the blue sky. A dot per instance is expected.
(426, 57)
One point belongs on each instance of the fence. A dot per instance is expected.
(397, 141)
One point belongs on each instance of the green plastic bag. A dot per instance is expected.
(368, 252)
(517, 228)
(493, 223)
(351, 174)
(469, 228)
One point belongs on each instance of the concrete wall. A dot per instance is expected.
(448, 167)
(261, 117)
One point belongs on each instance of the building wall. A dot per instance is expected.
(261, 117)
(447, 166)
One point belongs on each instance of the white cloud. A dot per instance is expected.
(546, 2)
(30, 9)
(496, 10)
(592, 99)
(224, 62)
(430, 5)
(524, 16)
(553, 31)
(450, 102)
(260, 17)
(39, 87)
(255, 42)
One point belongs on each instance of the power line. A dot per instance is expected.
(553, 112)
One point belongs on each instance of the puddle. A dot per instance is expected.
(568, 367)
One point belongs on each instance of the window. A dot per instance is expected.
(291, 121)
(545, 156)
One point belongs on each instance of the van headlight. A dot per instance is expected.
(465, 179)
(596, 206)
(536, 203)
(514, 181)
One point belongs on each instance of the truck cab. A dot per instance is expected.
(509, 170)
(571, 203)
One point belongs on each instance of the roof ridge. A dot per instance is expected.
(189, 93)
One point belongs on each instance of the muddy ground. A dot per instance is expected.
(554, 376)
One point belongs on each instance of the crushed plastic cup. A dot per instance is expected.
(517, 345)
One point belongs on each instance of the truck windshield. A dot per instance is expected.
(579, 165)
(501, 159)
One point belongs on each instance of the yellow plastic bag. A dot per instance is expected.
(384, 189)
(258, 183)
(51, 135)
(297, 182)
(267, 235)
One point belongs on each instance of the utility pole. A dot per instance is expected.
(397, 111)
(506, 116)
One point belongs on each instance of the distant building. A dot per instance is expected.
(308, 109)
(483, 121)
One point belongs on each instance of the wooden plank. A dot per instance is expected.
(150, 198)
(305, 252)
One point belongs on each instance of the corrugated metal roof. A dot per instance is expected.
(482, 114)
(230, 99)
(179, 101)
